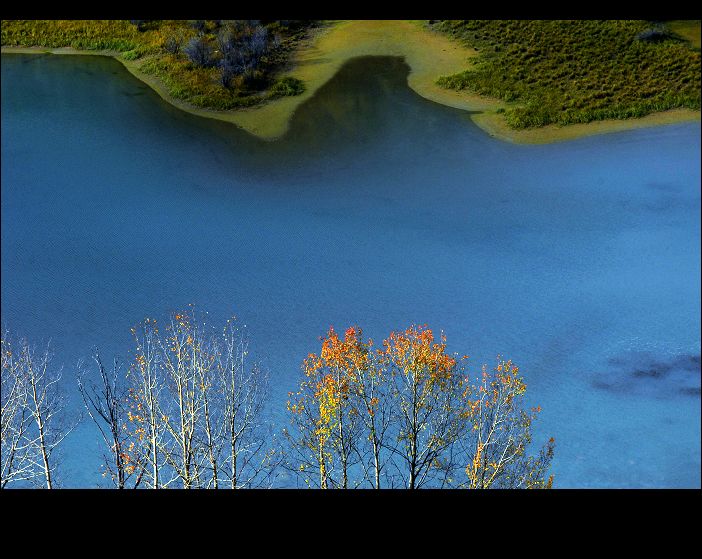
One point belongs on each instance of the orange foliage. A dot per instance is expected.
(415, 352)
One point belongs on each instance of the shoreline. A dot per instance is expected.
(427, 53)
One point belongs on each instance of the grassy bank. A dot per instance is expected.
(311, 57)
(576, 72)
(112, 35)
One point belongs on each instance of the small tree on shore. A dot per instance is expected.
(173, 43)
(199, 52)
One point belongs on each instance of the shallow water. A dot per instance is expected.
(578, 260)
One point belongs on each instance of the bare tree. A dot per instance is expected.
(173, 43)
(145, 393)
(182, 353)
(15, 420)
(245, 391)
(210, 433)
(199, 406)
(242, 46)
(106, 404)
(36, 423)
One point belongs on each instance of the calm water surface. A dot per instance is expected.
(579, 260)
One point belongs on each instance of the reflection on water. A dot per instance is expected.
(580, 260)
(641, 372)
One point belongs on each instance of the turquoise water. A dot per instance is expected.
(579, 260)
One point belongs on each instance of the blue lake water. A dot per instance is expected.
(579, 260)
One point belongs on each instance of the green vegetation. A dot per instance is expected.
(197, 86)
(214, 64)
(287, 86)
(567, 72)
(78, 34)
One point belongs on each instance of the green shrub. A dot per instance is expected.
(287, 86)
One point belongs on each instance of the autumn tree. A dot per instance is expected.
(307, 452)
(325, 419)
(426, 391)
(393, 409)
(407, 414)
(497, 444)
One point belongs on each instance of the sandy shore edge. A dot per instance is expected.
(429, 55)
